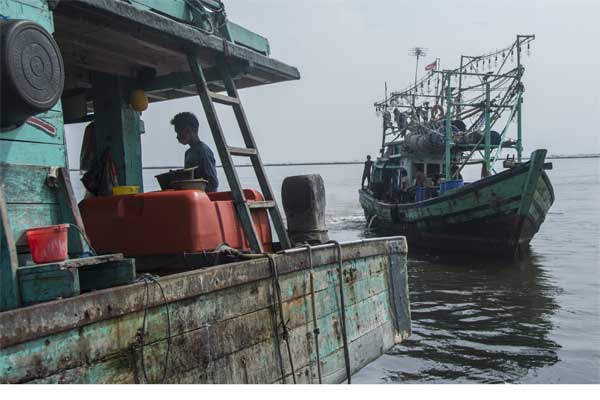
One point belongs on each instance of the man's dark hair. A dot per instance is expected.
(185, 120)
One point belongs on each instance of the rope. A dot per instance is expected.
(316, 330)
(286, 333)
(147, 278)
(343, 309)
(84, 236)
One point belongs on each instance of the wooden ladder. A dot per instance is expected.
(226, 153)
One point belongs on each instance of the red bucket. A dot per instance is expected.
(48, 244)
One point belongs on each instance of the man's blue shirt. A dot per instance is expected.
(201, 156)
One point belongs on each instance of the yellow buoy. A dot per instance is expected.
(138, 100)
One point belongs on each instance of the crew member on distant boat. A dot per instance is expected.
(199, 154)
(420, 177)
(367, 172)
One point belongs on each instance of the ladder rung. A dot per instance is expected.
(241, 151)
(261, 204)
(222, 99)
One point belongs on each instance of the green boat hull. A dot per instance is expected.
(215, 325)
(496, 215)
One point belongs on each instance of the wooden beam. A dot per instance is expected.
(9, 288)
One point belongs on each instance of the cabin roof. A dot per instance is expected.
(117, 38)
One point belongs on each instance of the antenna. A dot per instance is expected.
(417, 52)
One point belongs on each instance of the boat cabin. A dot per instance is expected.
(103, 61)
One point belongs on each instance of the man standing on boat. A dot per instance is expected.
(199, 155)
(367, 173)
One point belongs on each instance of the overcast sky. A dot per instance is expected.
(346, 50)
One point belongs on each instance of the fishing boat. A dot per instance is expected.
(448, 120)
(135, 287)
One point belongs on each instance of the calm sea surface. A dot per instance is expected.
(477, 319)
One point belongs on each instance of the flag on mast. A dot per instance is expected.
(431, 66)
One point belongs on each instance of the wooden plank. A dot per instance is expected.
(45, 319)
(16, 152)
(218, 310)
(261, 204)
(9, 288)
(71, 263)
(70, 213)
(399, 293)
(222, 99)
(48, 285)
(208, 346)
(533, 175)
(26, 184)
(106, 275)
(27, 216)
(242, 152)
(28, 133)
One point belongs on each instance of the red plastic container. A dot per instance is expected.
(48, 244)
(169, 222)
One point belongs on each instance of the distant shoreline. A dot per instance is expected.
(293, 164)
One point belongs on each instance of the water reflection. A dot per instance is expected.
(476, 320)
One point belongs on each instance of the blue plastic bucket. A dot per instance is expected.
(420, 194)
(449, 185)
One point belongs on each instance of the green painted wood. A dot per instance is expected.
(29, 133)
(35, 10)
(27, 216)
(244, 37)
(398, 293)
(28, 153)
(123, 333)
(48, 284)
(117, 127)
(26, 184)
(535, 170)
(209, 351)
(106, 275)
(69, 210)
(9, 288)
(121, 301)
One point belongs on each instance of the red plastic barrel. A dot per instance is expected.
(48, 244)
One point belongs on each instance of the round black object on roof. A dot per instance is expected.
(32, 71)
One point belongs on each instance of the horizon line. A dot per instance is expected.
(291, 164)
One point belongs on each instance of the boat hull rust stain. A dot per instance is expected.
(221, 325)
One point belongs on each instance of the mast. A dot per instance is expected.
(448, 126)
(519, 120)
(458, 107)
(488, 165)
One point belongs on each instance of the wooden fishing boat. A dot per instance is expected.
(416, 187)
(264, 312)
(499, 214)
